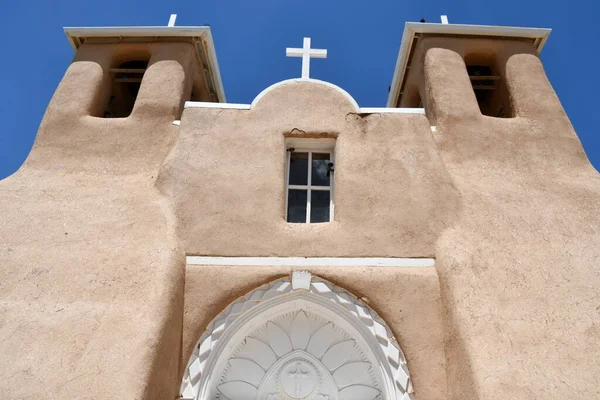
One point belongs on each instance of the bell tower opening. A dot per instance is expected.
(483, 49)
(489, 87)
(125, 85)
(412, 97)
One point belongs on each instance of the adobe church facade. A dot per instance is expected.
(162, 243)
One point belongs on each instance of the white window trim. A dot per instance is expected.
(310, 148)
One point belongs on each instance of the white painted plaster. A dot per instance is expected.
(362, 110)
(306, 53)
(311, 261)
(203, 104)
(206, 104)
(256, 347)
(301, 280)
(172, 20)
(444, 19)
(384, 110)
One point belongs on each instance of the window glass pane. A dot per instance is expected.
(299, 168)
(320, 169)
(296, 211)
(319, 205)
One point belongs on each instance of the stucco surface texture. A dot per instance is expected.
(91, 278)
(94, 229)
(519, 267)
(392, 196)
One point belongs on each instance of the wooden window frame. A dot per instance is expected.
(310, 146)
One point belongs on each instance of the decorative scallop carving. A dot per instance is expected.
(358, 392)
(279, 341)
(300, 331)
(298, 373)
(321, 340)
(338, 354)
(297, 346)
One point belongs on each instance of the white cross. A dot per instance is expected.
(306, 53)
(172, 20)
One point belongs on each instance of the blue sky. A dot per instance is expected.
(362, 38)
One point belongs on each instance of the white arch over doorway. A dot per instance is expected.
(299, 326)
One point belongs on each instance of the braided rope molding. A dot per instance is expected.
(300, 280)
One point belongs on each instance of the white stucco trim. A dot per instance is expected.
(205, 104)
(361, 110)
(306, 53)
(380, 110)
(539, 35)
(312, 261)
(309, 80)
(235, 106)
(140, 31)
(214, 65)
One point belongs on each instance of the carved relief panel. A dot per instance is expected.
(297, 339)
(298, 356)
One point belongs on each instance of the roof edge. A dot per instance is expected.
(540, 35)
(203, 32)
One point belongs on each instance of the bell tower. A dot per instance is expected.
(161, 243)
(514, 157)
(107, 130)
(126, 71)
(128, 86)
(465, 69)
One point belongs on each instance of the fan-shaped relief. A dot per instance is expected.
(315, 344)
(298, 355)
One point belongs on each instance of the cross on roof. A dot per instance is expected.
(306, 53)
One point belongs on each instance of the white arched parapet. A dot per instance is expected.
(346, 95)
(309, 80)
(298, 338)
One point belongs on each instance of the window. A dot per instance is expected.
(490, 91)
(125, 85)
(309, 179)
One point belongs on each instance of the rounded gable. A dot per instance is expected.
(309, 92)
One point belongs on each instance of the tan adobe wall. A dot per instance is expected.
(494, 52)
(82, 93)
(96, 224)
(519, 267)
(226, 175)
(91, 275)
